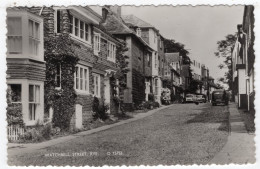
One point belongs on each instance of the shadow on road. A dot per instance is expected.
(215, 115)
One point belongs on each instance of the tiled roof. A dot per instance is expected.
(135, 21)
(116, 25)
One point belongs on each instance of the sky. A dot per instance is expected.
(198, 28)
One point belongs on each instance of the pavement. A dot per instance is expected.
(240, 147)
(30, 147)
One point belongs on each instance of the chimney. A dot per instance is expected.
(104, 13)
(116, 10)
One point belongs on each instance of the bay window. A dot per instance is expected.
(34, 37)
(81, 79)
(14, 35)
(111, 51)
(34, 101)
(96, 84)
(96, 43)
(25, 35)
(15, 93)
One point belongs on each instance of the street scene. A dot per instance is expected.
(128, 85)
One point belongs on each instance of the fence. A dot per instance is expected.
(13, 132)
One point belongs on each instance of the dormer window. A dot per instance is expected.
(139, 32)
(96, 43)
(111, 49)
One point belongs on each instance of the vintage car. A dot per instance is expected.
(190, 98)
(200, 98)
(220, 97)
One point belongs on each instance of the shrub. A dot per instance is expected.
(151, 97)
(33, 135)
(100, 110)
(156, 104)
(46, 131)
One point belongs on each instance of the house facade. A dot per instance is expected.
(96, 52)
(139, 76)
(152, 37)
(243, 59)
(204, 79)
(25, 64)
(172, 71)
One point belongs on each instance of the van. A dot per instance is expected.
(219, 97)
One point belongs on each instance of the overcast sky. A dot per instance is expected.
(198, 28)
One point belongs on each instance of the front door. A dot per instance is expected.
(107, 91)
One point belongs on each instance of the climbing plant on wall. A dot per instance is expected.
(60, 51)
(120, 75)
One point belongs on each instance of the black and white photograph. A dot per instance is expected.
(130, 85)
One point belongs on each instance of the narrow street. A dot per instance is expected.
(180, 134)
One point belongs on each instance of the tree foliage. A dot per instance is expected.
(13, 111)
(224, 50)
(172, 46)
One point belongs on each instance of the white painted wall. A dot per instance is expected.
(78, 116)
(241, 81)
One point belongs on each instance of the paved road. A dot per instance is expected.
(180, 134)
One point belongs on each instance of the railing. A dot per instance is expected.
(14, 132)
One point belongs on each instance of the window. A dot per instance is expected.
(15, 93)
(76, 27)
(139, 32)
(156, 86)
(111, 51)
(82, 79)
(96, 83)
(156, 60)
(148, 60)
(79, 29)
(24, 37)
(96, 44)
(155, 37)
(34, 101)
(58, 21)
(71, 23)
(58, 76)
(34, 37)
(14, 35)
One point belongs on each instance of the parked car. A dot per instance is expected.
(220, 97)
(190, 98)
(201, 98)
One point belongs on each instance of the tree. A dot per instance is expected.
(172, 46)
(225, 48)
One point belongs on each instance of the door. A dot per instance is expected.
(107, 92)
